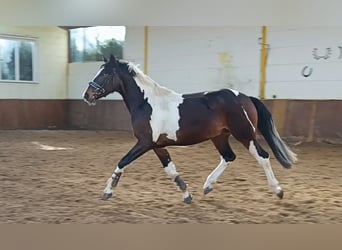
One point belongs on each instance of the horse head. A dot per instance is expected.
(106, 81)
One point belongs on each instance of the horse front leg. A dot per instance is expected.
(170, 170)
(138, 150)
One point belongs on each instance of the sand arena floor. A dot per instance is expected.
(59, 176)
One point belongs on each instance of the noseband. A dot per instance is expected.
(98, 89)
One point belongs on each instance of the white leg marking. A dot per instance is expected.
(248, 118)
(109, 189)
(117, 171)
(265, 163)
(215, 174)
(170, 170)
(186, 194)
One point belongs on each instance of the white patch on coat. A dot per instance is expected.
(244, 111)
(164, 102)
(215, 174)
(235, 92)
(170, 170)
(265, 163)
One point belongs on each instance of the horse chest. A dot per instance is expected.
(165, 117)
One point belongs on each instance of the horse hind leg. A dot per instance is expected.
(244, 131)
(263, 159)
(170, 170)
(227, 156)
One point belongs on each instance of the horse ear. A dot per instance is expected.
(105, 59)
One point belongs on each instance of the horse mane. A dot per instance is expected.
(145, 82)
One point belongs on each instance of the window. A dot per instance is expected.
(92, 43)
(17, 57)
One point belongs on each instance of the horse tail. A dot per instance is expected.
(267, 128)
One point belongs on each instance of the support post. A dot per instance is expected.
(263, 63)
(146, 47)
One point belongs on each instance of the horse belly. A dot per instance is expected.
(199, 128)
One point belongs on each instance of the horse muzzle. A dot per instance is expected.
(91, 100)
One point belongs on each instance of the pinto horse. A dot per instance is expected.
(161, 117)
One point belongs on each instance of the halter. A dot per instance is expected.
(98, 89)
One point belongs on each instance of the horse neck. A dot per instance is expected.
(131, 94)
(138, 88)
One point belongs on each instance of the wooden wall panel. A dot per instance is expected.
(33, 114)
(307, 119)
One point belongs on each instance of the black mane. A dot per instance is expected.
(124, 66)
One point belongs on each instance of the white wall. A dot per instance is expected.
(134, 45)
(80, 74)
(292, 49)
(192, 59)
(52, 64)
(188, 59)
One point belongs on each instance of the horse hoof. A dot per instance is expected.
(207, 190)
(188, 199)
(280, 194)
(106, 196)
